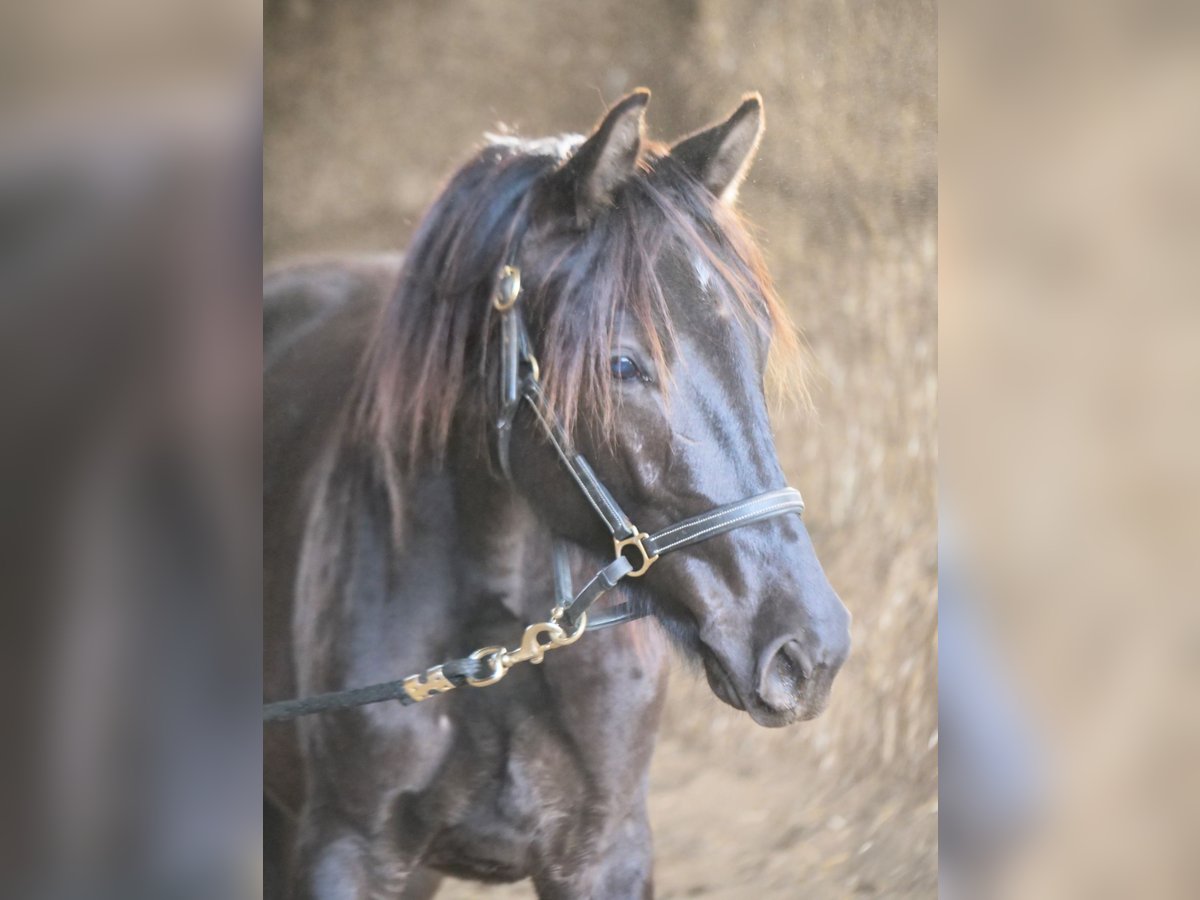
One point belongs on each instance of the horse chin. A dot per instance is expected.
(721, 683)
(772, 718)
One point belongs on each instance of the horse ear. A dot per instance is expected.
(607, 158)
(719, 156)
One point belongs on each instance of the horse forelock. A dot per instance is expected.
(432, 342)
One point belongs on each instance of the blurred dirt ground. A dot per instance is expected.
(368, 106)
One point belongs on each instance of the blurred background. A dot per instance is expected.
(368, 108)
(130, 511)
(1069, 422)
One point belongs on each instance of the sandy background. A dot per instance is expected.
(368, 106)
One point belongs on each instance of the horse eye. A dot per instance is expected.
(625, 368)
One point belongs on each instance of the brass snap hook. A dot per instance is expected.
(532, 648)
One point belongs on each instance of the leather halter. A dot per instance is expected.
(520, 385)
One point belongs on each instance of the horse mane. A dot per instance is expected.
(430, 346)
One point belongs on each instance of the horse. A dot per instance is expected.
(395, 537)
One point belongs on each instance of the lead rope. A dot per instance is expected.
(568, 619)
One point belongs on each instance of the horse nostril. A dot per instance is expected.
(784, 670)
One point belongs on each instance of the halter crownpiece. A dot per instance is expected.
(520, 385)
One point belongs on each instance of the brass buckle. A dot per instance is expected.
(635, 541)
(508, 289)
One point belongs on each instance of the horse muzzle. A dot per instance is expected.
(794, 678)
(791, 680)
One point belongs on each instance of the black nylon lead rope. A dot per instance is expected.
(458, 672)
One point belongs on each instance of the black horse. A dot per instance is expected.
(393, 540)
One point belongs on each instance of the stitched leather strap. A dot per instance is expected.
(606, 507)
(617, 615)
(564, 595)
(725, 518)
(682, 534)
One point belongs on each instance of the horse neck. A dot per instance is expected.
(500, 541)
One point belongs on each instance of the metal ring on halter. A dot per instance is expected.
(499, 669)
(570, 637)
(508, 289)
(636, 542)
